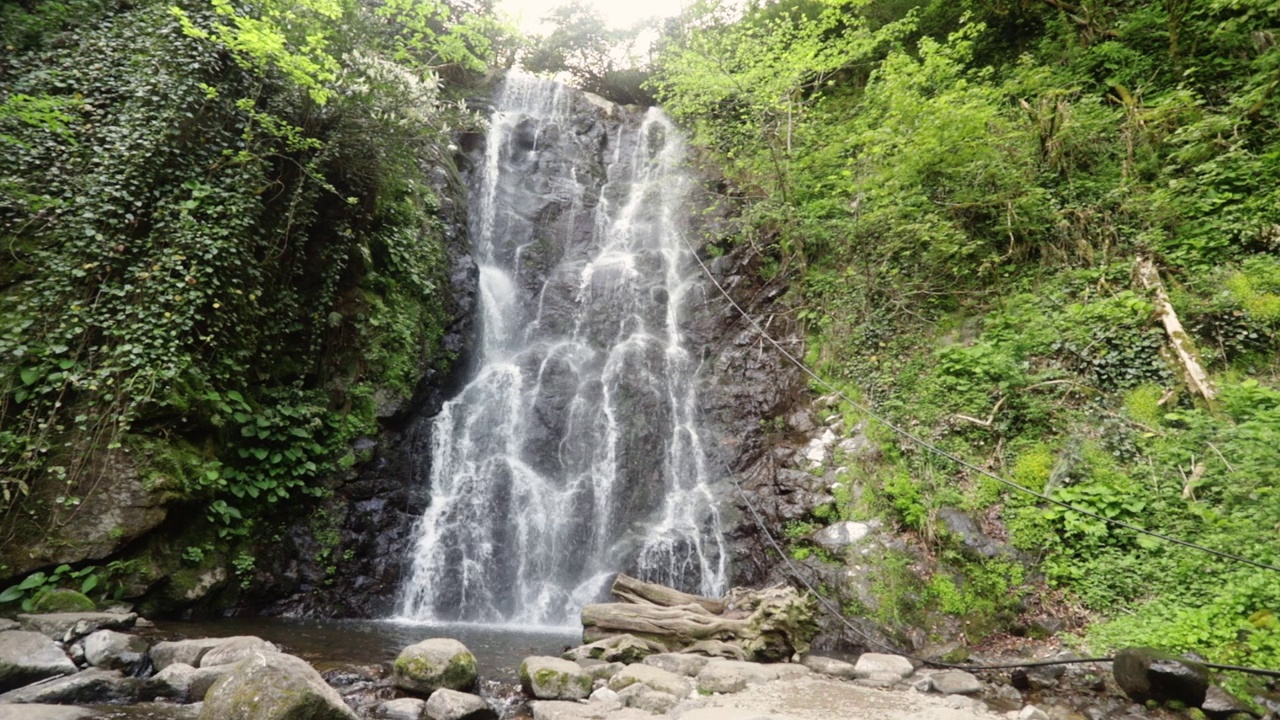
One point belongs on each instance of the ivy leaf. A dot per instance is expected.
(32, 581)
(90, 583)
(11, 593)
(1146, 542)
(29, 375)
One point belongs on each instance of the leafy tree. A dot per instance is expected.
(598, 58)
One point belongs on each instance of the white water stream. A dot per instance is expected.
(574, 452)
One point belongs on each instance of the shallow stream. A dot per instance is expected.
(332, 644)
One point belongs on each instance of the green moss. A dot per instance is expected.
(457, 674)
(1142, 404)
(61, 600)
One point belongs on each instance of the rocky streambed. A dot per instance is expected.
(71, 666)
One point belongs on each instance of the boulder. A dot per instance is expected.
(972, 539)
(1149, 674)
(830, 666)
(273, 686)
(446, 704)
(235, 649)
(61, 600)
(955, 682)
(433, 664)
(871, 664)
(44, 712)
(26, 657)
(569, 710)
(601, 670)
(652, 677)
(187, 652)
(1221, 705)
(91, 687)
(402, 709)
(730, 676)
(1031, 712)
(69, 627)
(111, 650)
(550, 678)
(678, 663)
(182, 683)
(642, 697)
(604, 695)
(728, 713)
(623, 648)
(843, 534)
(6, 625)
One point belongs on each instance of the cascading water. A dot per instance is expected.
(574, 452)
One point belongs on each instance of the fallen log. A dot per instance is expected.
(1197, 378)
(631, 590)
(768, 625)
(686, 623)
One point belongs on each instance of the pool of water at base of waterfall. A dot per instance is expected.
(332, 644)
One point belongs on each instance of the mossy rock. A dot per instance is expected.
(433, 664)
(551, 678)
(61, 600)
(273, 686)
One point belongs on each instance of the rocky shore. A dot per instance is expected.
(73, 666)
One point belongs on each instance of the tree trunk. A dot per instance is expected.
(686, 623)
(1197, 378)
(630, 590)
(770, 625)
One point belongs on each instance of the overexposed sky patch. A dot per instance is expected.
(618, 13)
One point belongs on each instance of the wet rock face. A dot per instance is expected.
(746, 384)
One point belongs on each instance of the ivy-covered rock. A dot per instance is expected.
(432, 664)
(273, 686)
(551, 678)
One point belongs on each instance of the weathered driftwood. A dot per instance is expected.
(683, 622)
(1197, 378)
(716, 648)
(770, 624)
(630, 590)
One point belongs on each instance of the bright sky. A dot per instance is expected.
(619, 13)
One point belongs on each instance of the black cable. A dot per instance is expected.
(839, 615)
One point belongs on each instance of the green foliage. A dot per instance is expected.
(598, 58)
(244, 564)
(212, 268)
(102, 581)
(957, 193)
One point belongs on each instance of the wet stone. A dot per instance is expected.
(26, 657)
(870, 665)
(1148, 674)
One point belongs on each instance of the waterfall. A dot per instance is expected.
(574, 452)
